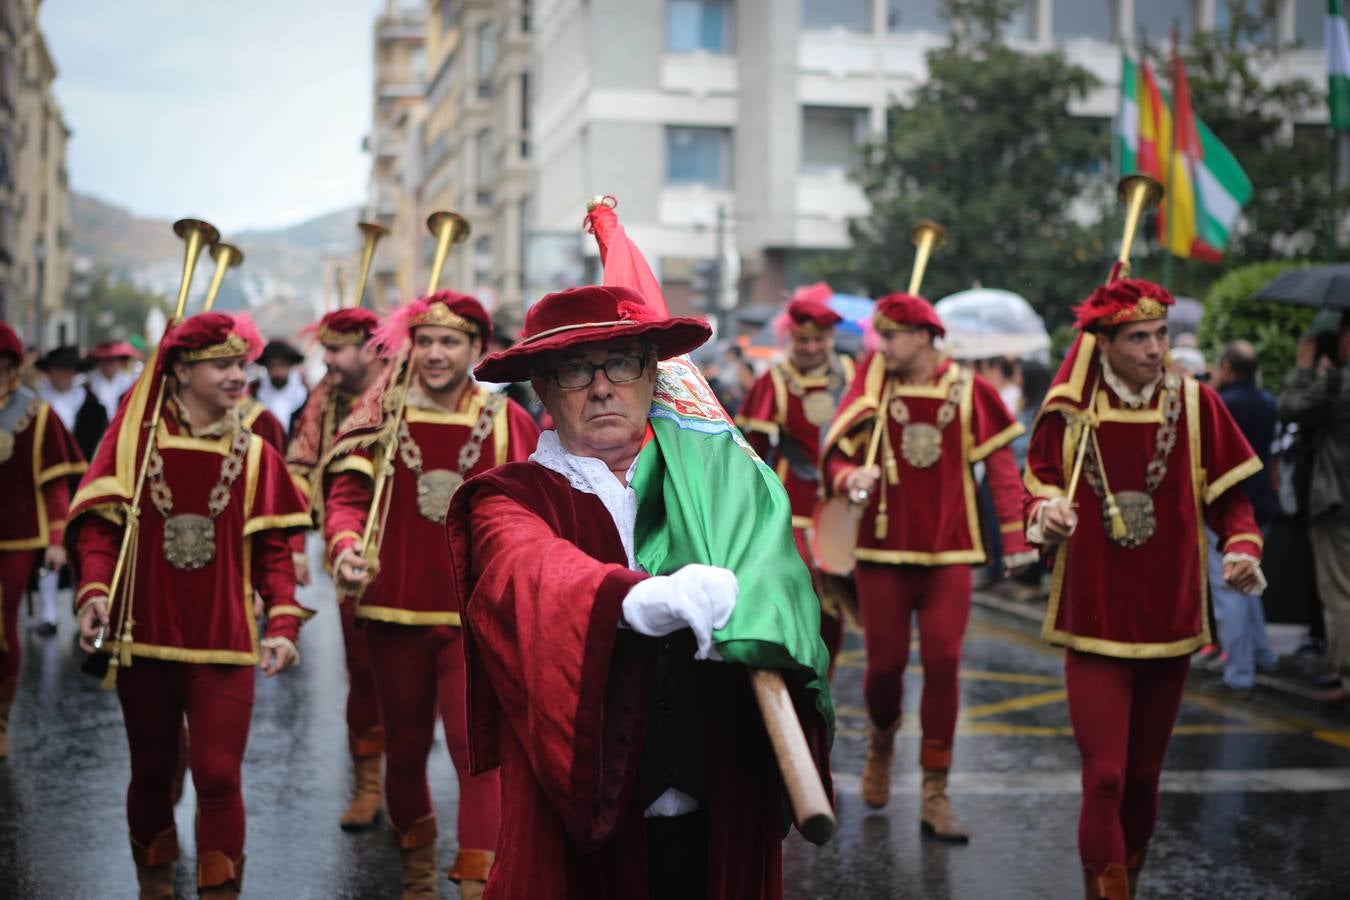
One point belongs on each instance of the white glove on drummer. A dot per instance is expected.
(696, 597)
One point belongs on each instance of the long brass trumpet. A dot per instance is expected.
(195, 234)
(928, 236)
(372, 233)
(448, 228)
(227, 256)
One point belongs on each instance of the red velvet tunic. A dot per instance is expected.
(557, 698)
(771, 414)
(409, 587)
(34, 479)
(932, 518)
(1147, 601)
(204, 615)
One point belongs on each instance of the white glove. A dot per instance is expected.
(696, 597)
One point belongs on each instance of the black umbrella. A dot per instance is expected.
(1321, 287)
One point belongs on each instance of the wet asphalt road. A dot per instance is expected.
(1255, 799)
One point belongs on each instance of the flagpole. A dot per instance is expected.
(1169, 260)
(1333, 146)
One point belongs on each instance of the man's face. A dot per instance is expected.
(1136, 352)
(347, 365)
(443, 356)
(109, 368)
(603, 416)
(903, 347)
(810, 350)
(215, 384)
(278, 371)
(60, 378)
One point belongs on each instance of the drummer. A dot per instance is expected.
(782, 417)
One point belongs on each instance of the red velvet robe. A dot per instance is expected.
(315, 431)
(771, 413)
(408, 588)
(557, 698)
(1147, 601)
(34, 480)
(204, 615)
(932, 518)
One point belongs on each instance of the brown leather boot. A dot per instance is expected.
(935, 815)
(420, 878)
(155, 882)
(470, 871)
(7, 689)
(1134, 862)
(1111, 884)
(367, 796)
(154, 865)
(219, 877)
(876, 776)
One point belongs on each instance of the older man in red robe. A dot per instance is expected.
(211, 530)
(1160, 459)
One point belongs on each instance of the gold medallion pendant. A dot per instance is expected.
(1136, 511)
(6, 446)
(434, 490)
(189, 541)
(921, 445)
(818, 407)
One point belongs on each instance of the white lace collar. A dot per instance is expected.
(1132, 399)
(591, 476)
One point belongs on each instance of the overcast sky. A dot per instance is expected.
(247, 113)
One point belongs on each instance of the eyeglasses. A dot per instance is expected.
(574, 376)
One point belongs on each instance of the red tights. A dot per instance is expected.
(419, 669)
(15, 567)
(889, 596)
(363, 706)
(218, 703)
(1123, 712)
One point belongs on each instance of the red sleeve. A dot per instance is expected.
(274, 579)
(269, 428)
(1044, 477)
(837, 465)
(297, 542)
(543, 621)
(96, 549)
(347, 504)
(1007, 490)
(56, 498)
(758, 415)
(992, 426)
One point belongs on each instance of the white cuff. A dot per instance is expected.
(278, 641)
(1035, 528)
(1261, 583)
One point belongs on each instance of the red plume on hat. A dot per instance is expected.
(1127, 300)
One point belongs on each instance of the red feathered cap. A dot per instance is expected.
(906, 310)
(213, 335)
(10, 345)
(810, 315)
(346, 326)
(1127, 300)
(448, 309)
(113, 350)
(588, 315)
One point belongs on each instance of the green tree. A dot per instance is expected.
(117, 308)
(1273, 328)
(987, 147)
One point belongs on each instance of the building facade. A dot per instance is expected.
(35, 235)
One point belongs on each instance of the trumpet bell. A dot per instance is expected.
(926, 228)
(1132, 185)
(196, 234)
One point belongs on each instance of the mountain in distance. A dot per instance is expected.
(285, 279)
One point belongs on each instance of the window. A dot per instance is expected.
(832, 138)
(699, 25)
(1020, 25)
(486, 166)
(487, 58)
(1256, 9)
(853, 15)
(525, 16)
(525, 115)
(447, 15)
(698, 156)
(1082, 19)
(1310, 18)
(915, 15)
(482, 260)
(1153, 19)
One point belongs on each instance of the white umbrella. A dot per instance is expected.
(986, 322)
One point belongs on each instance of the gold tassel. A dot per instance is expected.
(881, 525)
(1118, 531)
(110, 677)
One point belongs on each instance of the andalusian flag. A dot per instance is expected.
(705, 497)
(1338, 67)
(1206, 186)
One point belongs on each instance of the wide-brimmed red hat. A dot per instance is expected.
(113, 350)
(1123, 301)
(588, 315)
(906, 310)
(10, 345)
(346, 326)
(213, 335)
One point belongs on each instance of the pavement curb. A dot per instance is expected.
(1033, 615)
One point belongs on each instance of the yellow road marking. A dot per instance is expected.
(1014, 704)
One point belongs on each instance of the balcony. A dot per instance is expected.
(405, 26)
